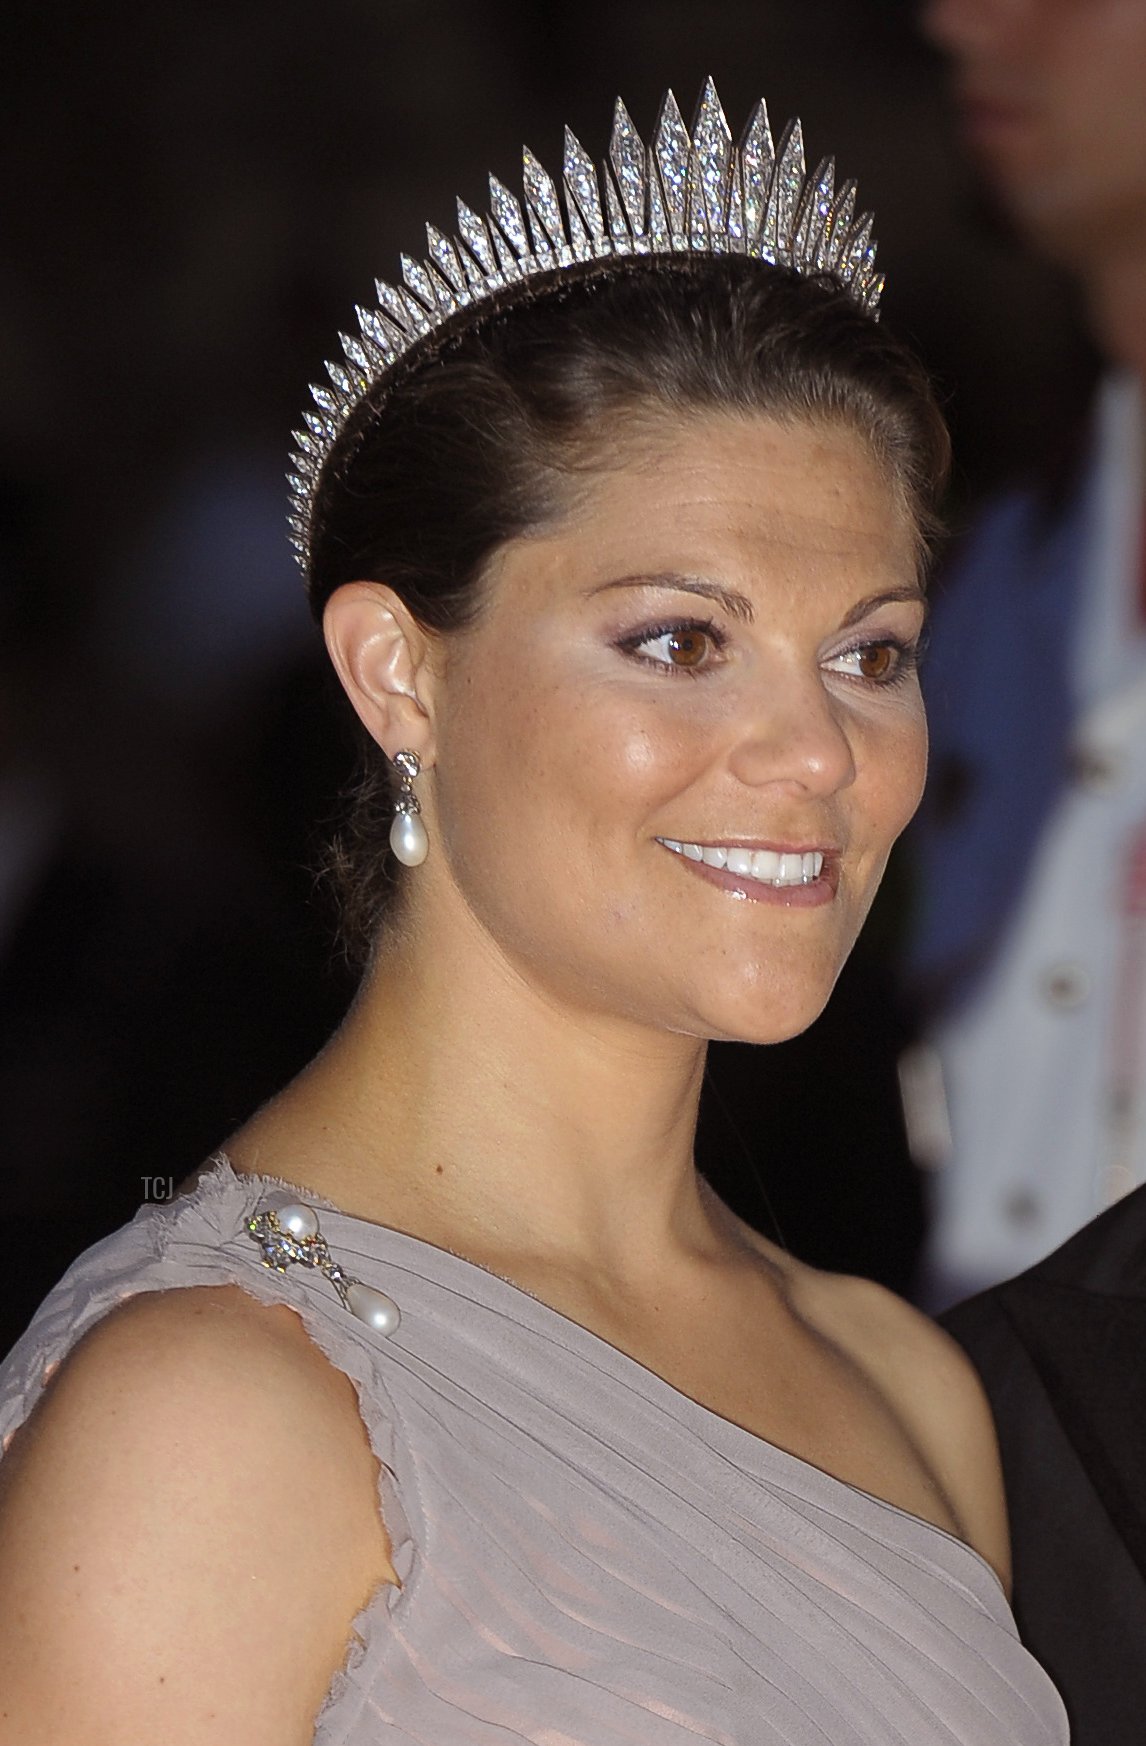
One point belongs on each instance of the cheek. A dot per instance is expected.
(554, 764)
(915, 764)
(607, 733)
(895, 763)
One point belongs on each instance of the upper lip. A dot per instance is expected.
(754, 843)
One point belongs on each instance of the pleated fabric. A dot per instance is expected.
(587, 1556)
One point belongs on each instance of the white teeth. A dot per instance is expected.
(766, 865)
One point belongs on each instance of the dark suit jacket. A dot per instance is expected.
(1062, 1351)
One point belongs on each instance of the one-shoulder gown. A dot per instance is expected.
(587, 1556)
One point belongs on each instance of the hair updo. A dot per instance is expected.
(480, 437)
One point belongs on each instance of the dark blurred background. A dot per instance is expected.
(194, 196)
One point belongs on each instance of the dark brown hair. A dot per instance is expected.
(483, 436)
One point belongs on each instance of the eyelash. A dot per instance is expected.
(908, 654)
(908, 657)
(630, 645)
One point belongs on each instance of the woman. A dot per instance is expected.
(617, 548)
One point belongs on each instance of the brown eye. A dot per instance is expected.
(877, 660)
(687, 648)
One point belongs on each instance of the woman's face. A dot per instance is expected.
(711, 659)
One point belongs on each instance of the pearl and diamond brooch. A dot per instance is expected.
(291, 1234)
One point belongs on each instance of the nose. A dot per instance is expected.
(796, 741)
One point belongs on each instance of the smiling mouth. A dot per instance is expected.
(764, 866)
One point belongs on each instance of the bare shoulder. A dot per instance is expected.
(934, 1390)
(193, 1458)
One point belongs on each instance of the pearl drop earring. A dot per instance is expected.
(408, 837)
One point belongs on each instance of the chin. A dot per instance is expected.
(769, 1030)
(771, 1014)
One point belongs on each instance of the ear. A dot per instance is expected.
(381, 655)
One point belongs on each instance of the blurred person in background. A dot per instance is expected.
(1061, 1351)
(1028, 954)
(1035, 927)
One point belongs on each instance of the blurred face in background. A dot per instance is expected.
(1053, 97)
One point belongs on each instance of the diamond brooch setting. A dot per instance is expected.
(290, 1235)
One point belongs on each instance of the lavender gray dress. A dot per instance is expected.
(587, 1557)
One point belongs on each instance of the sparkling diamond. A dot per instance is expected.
(581, 184)
(475, 237)
(541, 196)
(627, 157)
(508, 214)
(444, 257)
(712, 156)
(671, 152)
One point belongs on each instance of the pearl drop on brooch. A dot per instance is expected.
(372, 1307)
(298, 1221)
(408, 839)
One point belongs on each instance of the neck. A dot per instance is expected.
(475, 1110)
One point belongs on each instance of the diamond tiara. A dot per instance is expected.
(678, 195)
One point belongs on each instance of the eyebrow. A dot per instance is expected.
(863, 607)
(736, 605)
(739, 606)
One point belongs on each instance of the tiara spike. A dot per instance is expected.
(396, 308)
(822, 240)
(736, 228)
(659, 238)
(316, 424)
(757, 158)
(857, 243)
(506, 259)
(430, 291)
(839, 223)
(542, 203)
(712, 156)
(476, 278)
(354, 352)
(445, 258)
(671, 150)
(866, 275)
(476, 238)
(581, 188)
(511, 222)
(629, 164)
(381, 332)
(700, 239)
(812, 214)
(675, 194)
(874, 292)
(618, 224)
(788, 176)
(541, 249)
(342, 379)
(581, 243)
